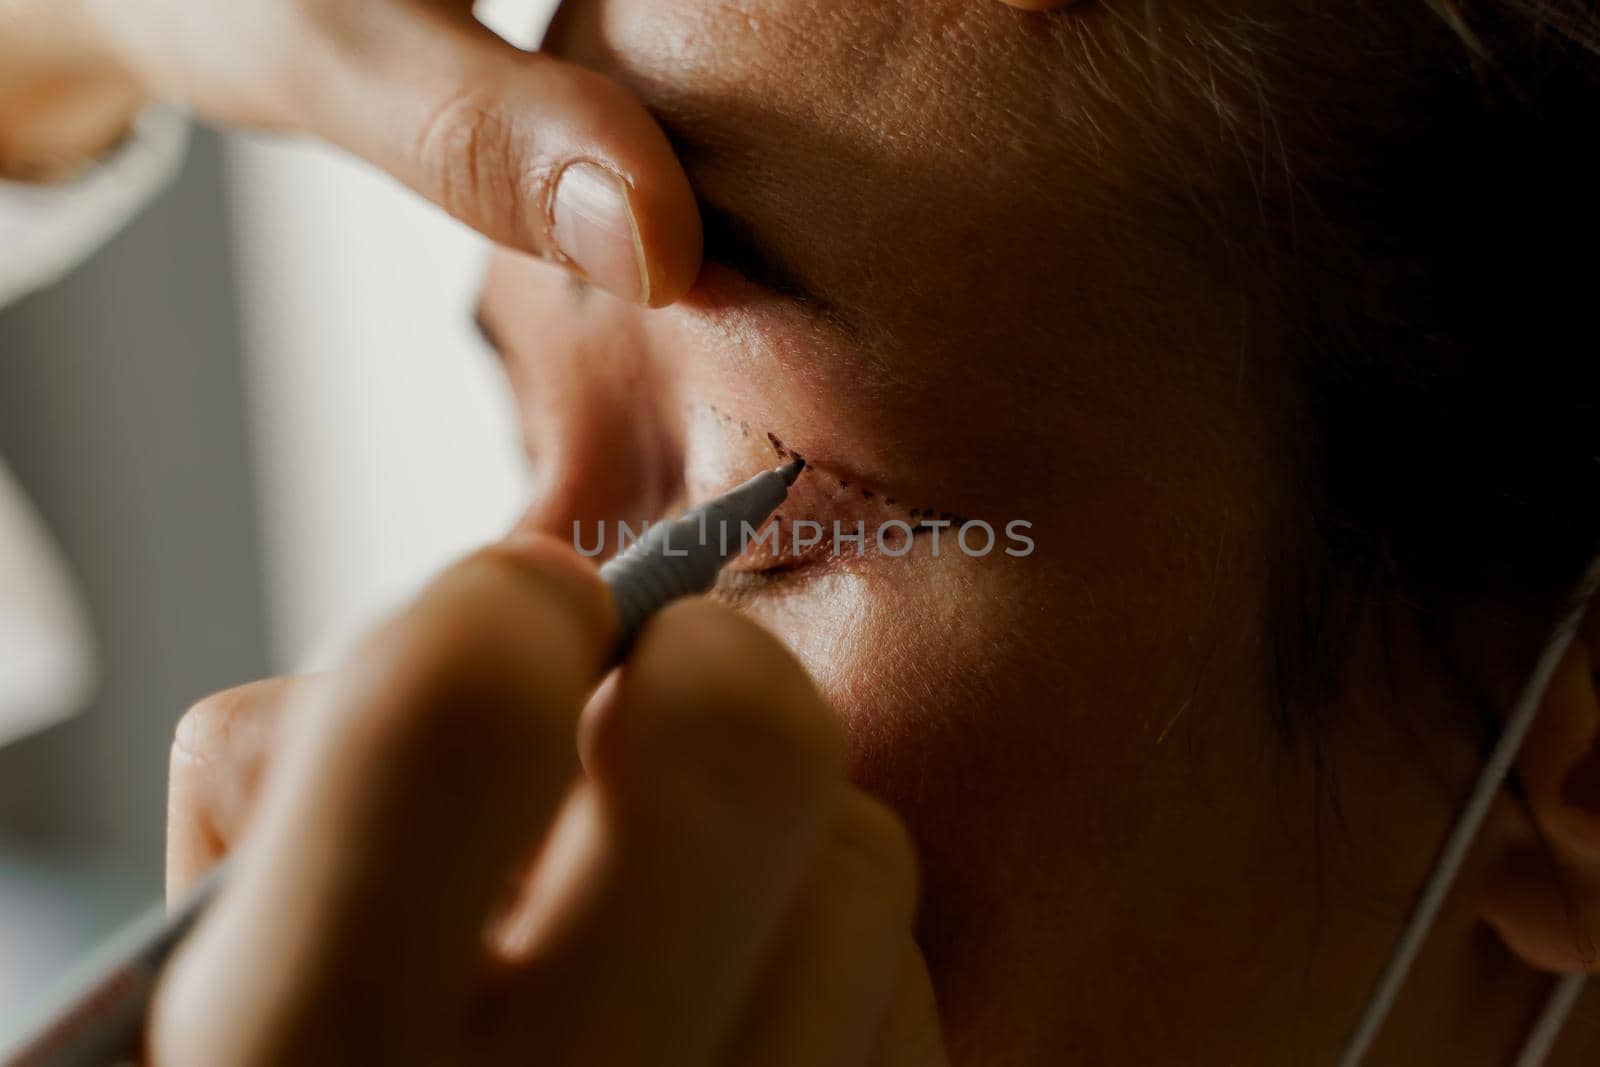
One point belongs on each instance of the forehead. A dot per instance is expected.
(891, 151)
(864, 71)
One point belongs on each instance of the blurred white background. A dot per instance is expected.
(382, 437)
(384, 440)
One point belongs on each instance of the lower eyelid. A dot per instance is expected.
(821, 557)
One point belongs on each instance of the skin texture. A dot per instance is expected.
(965, 260)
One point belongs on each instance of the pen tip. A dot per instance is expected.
(791, 470)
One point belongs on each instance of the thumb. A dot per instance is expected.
(535, 153)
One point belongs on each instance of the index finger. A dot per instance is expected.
(537, 154)
(409, 793)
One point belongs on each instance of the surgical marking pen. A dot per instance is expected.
(97, 1018)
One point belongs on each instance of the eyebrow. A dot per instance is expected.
(731, 240)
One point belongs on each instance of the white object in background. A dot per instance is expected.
(522, 22)
(385, 443)
(46, 662)
(46, 657)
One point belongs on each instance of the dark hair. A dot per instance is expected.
(1437, 248)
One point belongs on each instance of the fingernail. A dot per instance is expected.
(595, 229)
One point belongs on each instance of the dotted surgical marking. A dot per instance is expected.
(924, 514)
(784, 452)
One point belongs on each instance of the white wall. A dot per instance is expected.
(383, 439)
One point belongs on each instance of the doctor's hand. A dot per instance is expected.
(455, 856)
(537, 154)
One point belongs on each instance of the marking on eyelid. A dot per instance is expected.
(785, 452)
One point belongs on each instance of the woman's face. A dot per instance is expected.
(956, 259)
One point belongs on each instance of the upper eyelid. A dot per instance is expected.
(843, 490)
(838, 489)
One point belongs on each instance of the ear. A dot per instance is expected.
(1544, 888)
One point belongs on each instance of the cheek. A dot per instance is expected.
(963, 719)
(1044, 738)
(935, 665)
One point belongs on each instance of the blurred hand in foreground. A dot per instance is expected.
(456, 855)
(537, 154)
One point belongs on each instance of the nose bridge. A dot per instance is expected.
(604, 445)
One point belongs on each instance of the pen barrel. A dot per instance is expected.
(97, 1015)
(683, 557)
(102, 1026)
